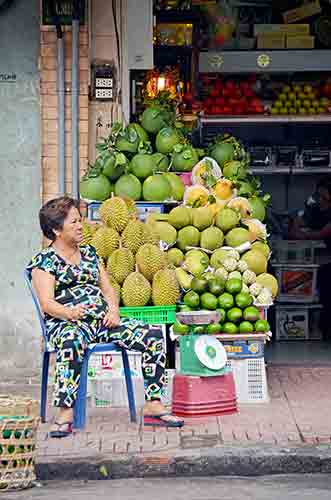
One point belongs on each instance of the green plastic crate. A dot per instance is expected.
(151, 315)
(189, 362)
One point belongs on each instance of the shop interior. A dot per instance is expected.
(261, 72)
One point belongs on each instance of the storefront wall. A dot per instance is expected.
(19, 183)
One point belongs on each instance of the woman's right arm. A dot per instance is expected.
(44, 283)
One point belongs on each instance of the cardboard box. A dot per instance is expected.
(295, 29)
(300, 42)
(271, 41)
(307, 10)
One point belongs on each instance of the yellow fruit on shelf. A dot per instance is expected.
(223, 189)
(196, 196)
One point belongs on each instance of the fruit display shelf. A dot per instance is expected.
(144, 208)
(208, 120)
(264, 61)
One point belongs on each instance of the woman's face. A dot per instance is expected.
(72, 231)
(324, 199)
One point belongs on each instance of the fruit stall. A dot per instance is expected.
(178, 233)
(188, 204)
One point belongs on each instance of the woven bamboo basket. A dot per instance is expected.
(18, 438)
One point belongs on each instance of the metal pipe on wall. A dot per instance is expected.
(60, 98)
(75, 99)
(61, 116)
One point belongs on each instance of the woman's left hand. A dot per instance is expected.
(111, 319)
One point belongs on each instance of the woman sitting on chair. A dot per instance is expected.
(80, 308)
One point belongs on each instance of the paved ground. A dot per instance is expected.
(300, 401)
(270, 488)
(297, 416)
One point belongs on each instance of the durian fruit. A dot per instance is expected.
(115, 213)
(133, 235)
(133, 212)
(136, 290)
(115, 286)
(150, 235)
(105, 241)
(87, 233)
(165, 288)
(120, 264)
(150, 259)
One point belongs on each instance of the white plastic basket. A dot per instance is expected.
(250, 380)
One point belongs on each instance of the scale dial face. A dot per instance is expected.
(210, 352)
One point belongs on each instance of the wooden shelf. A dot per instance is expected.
(264, 61)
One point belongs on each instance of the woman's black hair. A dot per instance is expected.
(53, 214)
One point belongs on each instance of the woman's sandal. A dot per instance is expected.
(162, 420)
(64, 430)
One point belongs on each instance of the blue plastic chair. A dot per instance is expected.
(80, 406)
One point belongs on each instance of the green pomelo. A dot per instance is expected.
(111, 170)
(165, 232)
(262, 326)
(128, 142)
(161, 162)
(198, 254)
(246, 327)
(233, 286)
(251, 314)
(175, 256)
(222, 314)
(262, 247)
(199, 285)
(226, 301)
(211, 238)
(258, 208)
(234, 315)
(208, 301)
(177, 186)
(142, 166)
(256, 261)
(229, 328)
(222, 152)
(142, 134)
(195, 266)
(213, 329)
(128, 186)
(216, 286)
(245, 189)
(166, 140)
(180, 217)
(95, 188)
(243, 300)
(180, 329)
(227, 219)
(268, 281)
(237, 237)
(202, 218)
(156, 188)
(185, 160)
(153, 120)
(234, 170)
(192, 299)
(188, 237)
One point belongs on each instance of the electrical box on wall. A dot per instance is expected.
(103, 82)
(140, 34)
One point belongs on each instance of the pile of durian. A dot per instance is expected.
(130, 250)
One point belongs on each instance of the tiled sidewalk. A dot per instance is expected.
(298, 414)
